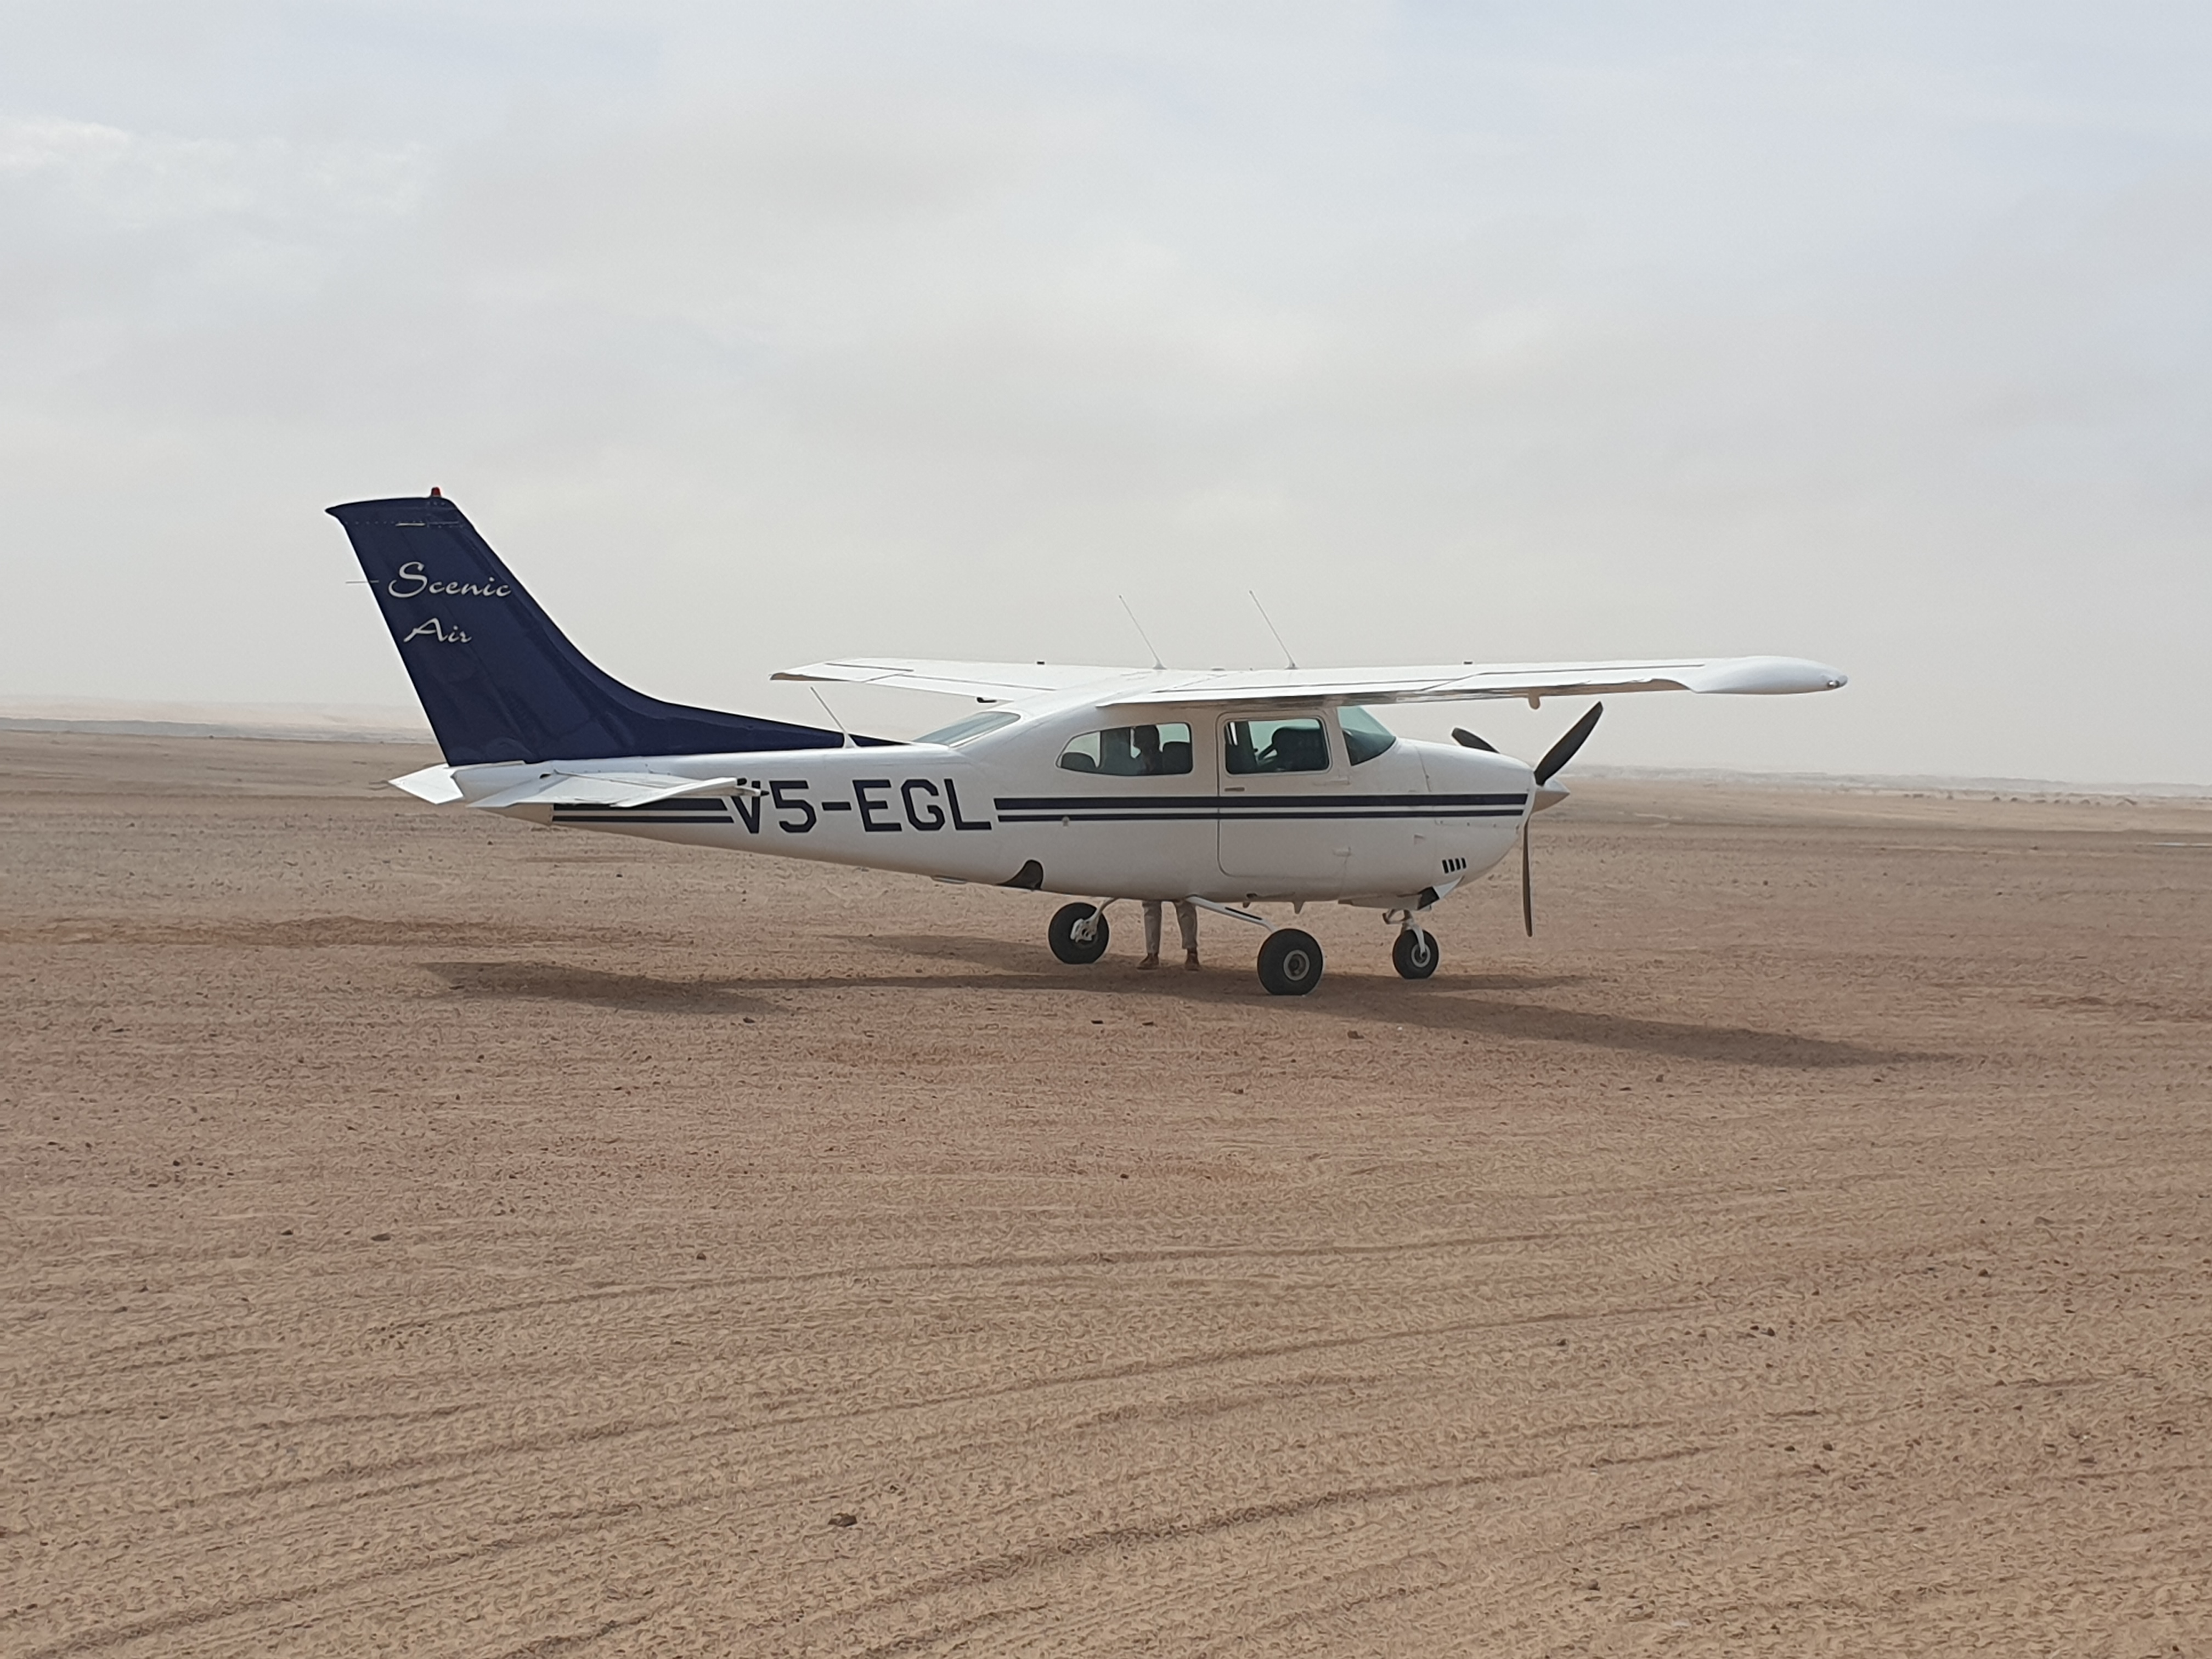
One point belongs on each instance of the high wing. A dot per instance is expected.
(1455, 682)
(990, 682)
(1001, 682)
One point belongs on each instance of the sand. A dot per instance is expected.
(425, 1234)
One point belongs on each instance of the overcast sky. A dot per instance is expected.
(1874, 333)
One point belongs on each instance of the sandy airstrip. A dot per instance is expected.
(428, 1235)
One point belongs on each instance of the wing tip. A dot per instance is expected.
(1768, 677)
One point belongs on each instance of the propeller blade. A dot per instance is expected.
(1528, 883)
(1564, 750)
(1467, 739)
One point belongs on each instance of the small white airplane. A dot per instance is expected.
(1221, 789)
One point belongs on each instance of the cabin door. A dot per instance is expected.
(1283, 778)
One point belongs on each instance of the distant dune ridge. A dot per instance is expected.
(339, 722)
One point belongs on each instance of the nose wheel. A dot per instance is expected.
(1415, 953)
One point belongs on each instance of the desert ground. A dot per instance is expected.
(427, 1234)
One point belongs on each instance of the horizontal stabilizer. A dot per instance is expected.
(432, 783)
(610, 789)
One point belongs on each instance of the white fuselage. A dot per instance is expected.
(1400, 829)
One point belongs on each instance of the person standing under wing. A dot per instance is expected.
(1186, 923)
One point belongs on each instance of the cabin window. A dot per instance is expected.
(1131, 751)
(1365, 737)
(1294, 745)
(974, 727)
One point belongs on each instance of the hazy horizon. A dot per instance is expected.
(751, 336)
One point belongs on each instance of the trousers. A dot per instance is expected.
(1186, 923)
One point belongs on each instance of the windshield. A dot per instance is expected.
(1365, 737)
(974, 727)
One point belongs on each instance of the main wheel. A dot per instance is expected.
(1290, 963)
(1077, 934)
(1414, 954)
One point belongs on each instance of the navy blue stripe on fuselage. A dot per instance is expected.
(1171, 809)
(1246, 817)
(1447, 805)
(680, 804)
(686, 809)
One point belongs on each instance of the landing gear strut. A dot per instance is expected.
(1077, 934)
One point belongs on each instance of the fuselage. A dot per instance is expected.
(1233, 805)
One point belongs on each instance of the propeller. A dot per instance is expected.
(1554, 761)
(1528, 885)
(1467, 739)
(1560, 753)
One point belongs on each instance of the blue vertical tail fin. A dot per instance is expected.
(497, 680)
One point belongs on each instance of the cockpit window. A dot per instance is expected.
(1365, 737)
(1130, 752)
(1293, 745)
(974, 727)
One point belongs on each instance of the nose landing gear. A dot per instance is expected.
(1415, 953)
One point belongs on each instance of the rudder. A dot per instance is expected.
(498, 680)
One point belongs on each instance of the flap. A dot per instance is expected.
(992, 681)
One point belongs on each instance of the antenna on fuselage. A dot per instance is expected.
(1289, 661)
(1142, 634)
(833, 720)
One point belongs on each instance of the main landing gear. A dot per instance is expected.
(1079, 934)
(1290, 958)
(1290, 963)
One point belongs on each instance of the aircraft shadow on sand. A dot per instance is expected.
(1448, 1003)
(558, 981)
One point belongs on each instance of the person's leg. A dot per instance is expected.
(1186, 924)
(1151, 934)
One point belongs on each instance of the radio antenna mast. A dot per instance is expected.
(1142, 634)
(1289, 661)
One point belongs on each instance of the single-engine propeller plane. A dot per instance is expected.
(1223, 789)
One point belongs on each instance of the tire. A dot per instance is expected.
(1290, 963)
(1077, 952)
(1415, 954)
